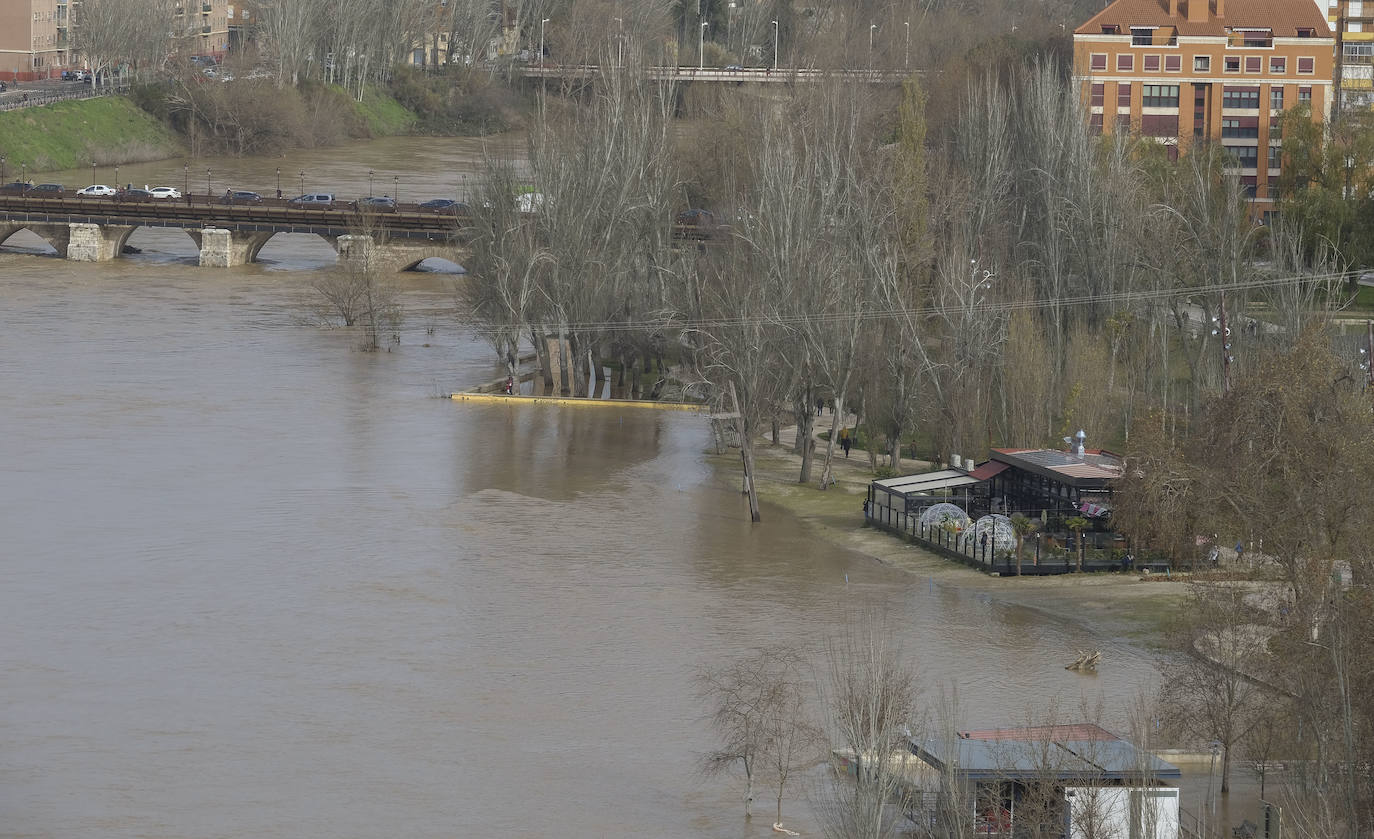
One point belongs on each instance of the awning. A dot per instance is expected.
(988, 469)
(944, 479)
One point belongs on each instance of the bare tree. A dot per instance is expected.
(870, 697)
(757, 709)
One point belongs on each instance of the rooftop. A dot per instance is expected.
(1068, 752)
(1094, 468)
(1284, 17)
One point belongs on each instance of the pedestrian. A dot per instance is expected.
(510, 385)
(1240, 549)
(845, 442)
(865, 508)
(983, 543)
(820, 406)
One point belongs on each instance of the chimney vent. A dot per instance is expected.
(1197, 11)
(956, 461)
(1173, 8)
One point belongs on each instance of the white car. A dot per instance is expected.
(164, 192)
(97, 191)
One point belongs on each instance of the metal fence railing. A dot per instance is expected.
(14, 100)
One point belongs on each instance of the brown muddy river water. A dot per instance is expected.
(254, 582)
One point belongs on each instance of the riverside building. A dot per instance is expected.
(1184, 71)
(34, 39)
(1352, 21)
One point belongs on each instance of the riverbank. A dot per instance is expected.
(107, 131)
(1117, 605)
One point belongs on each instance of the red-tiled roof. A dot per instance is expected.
(1084, 731)
(987, 470)
(1284, 17)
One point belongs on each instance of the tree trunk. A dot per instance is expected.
(805, 429)
(776, 430)
(746, 453)
(836, 421)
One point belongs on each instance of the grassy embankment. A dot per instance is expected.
(1115, 605)
(70, 135)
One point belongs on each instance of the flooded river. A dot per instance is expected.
(255, 582)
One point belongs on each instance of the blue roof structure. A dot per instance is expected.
(1092, 760)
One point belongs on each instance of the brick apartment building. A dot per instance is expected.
(203, 26)
(1353, 23)
(34, 38)
(1219, 70)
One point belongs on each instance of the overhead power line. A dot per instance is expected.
(992, 307)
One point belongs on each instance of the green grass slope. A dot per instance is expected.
(70, 135)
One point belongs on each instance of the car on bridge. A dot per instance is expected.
(375, 204)
(240, 197)
(322, 200)
(444, 205)
(47, 191)
(165, 193)
(97, 191)
(133, 195)
(15, 188)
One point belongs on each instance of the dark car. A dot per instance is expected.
(444, 205)
(47, 191)
(375, 204)
(15, 188)
(133, 195)
(240, 197)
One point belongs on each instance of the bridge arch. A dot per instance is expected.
(55, 235)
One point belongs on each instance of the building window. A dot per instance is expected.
(1276, 98)
(1304, 95)
(1142, 36)
(1307, 65)
(1123, 96)
(1232, 64)
(1110, 29)
(1152, 64)
(1254, 64)
(1123, 123)
(1160, 96)
(1159, 125)
(1239, 129)
(1273, 190)
(1246, 156)
(1275, 157)
(1240, 97)
(1304, 32)
(1095, 123)
(1173, 63)
(1247, 184)
(1261, 38)
(1278, 64)
(1125, 63)
(1097, 95)
(1202, 64)
(1099, 61)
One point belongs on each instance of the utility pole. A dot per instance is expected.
(1225, 332)
(1369, 352)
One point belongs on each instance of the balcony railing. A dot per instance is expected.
(205, 30)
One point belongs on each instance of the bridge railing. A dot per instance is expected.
(716, 74)
(32, 99)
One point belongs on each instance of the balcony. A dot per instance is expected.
(205, 8)
(205, 30)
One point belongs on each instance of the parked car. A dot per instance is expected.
(96, 191)
(133, 194)
(3, 87)
(444, 205)
(240, 197)
(375, 204)
(47, 191)
(164, 193)
(15, 188)
(314, 199)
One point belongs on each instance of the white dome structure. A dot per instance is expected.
(999, 531)
(946, 515)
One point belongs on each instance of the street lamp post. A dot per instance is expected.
(278, 183)
(701, 47)
(116, 183)
(620, 42)
(186, 180)
(906, 62)
(2, 169)
(92, 173)
(541, 40)
(775, 45)
(207, 186)
(302, 182)
(872, 28)
(370, 173)
(396, 188)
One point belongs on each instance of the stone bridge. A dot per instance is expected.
(97, 229)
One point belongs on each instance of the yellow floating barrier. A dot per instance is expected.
(494, 398)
